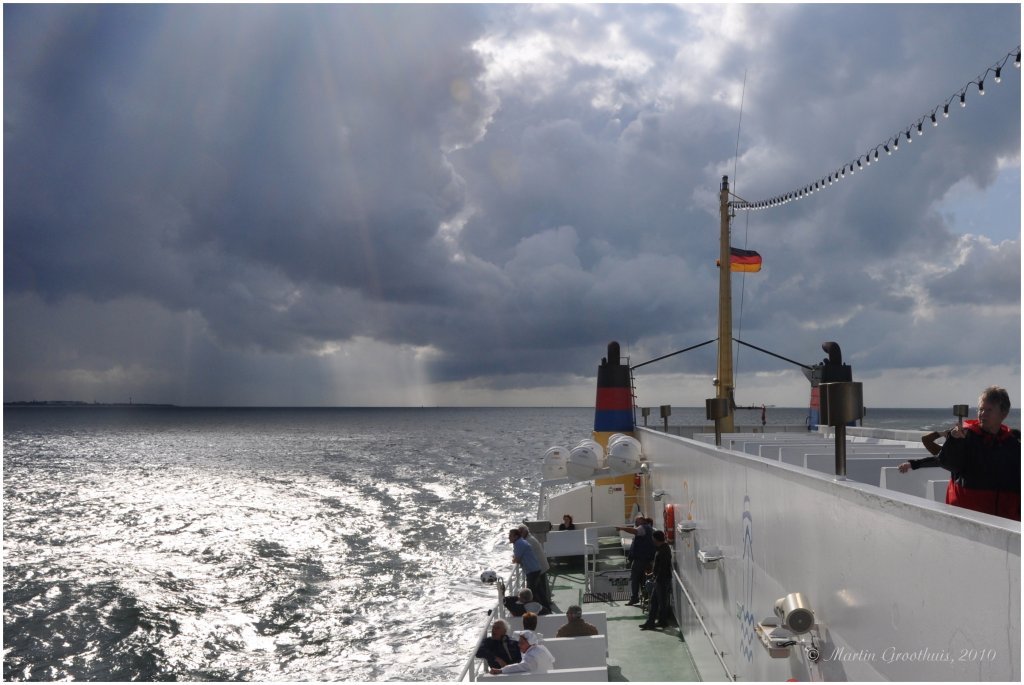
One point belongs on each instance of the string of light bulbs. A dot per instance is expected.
(890, 145)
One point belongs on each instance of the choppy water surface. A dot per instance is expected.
(259, 544)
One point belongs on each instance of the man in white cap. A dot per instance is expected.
(536, 657)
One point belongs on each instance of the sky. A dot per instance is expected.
(337, 205)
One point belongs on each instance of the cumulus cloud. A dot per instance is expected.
(485, 195)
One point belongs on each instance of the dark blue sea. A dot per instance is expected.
(271, 544)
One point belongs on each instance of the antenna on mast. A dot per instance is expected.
(739, 124)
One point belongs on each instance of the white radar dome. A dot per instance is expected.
(585, 459)
(554, 463)
(489, 576)
(624, 455)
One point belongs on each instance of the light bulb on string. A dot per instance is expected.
(890, 146)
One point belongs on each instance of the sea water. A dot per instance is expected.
(271, 544)
(259, 544)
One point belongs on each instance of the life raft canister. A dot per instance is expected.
(669, 516)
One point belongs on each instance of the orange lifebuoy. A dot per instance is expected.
(669, 516)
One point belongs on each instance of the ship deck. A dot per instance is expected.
(633, 655)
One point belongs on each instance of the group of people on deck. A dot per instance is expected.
(982, 456)
(651, 565)
(525, 654)
(650, 560)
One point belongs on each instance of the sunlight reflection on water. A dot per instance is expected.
(259, 544)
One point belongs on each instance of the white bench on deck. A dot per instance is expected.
(936, 490)
(573, 654)
(591, 674)
(862, 468)
(913, 482)
(566, 543)
(798, 455)
(549, 624)
(578, 652)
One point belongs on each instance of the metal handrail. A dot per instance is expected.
(516, 581)
(469, 671)
(689, 600)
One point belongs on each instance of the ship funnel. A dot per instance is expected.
(614, 406)
(830, 370)
(835, 355)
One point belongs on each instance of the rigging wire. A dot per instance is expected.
(889, 146)
(746, 230)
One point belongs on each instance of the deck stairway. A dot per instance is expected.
(607, 570)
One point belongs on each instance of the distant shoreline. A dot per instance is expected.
(73, 403)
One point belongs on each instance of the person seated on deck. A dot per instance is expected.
(499, 649)
(575, 626)
(517, 605)
(529, 621)
(536, 657)
(567, 523)
(984, 459)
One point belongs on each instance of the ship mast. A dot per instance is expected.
(724, 381)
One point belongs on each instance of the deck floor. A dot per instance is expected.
(634, 655)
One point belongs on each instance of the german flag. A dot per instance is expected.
(744, 260)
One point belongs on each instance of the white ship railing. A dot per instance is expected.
(729, 675)
(472, 669)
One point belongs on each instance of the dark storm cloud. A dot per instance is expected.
(304, 142)
(493, 191)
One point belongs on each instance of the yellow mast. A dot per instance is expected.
(724, 381)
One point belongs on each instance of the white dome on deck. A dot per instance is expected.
(554, 463)
(624, 454)
(584, 460)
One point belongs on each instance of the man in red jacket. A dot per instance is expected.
(984, 459)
